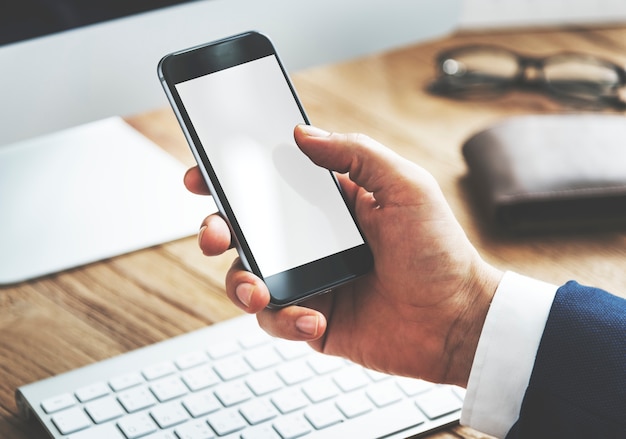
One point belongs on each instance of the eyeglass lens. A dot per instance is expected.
(482, 65)
(580, 76)
(488, 70)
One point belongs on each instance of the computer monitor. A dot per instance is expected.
(70, 169)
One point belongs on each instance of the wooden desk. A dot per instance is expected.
(51, 325)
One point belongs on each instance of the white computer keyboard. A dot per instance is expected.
(231, 380)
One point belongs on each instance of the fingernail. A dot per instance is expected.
(308, 325)
(312, 131)
(244, 293)
(200, 233)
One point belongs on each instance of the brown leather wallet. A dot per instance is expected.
(551, 172)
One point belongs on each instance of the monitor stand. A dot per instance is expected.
(89, 193)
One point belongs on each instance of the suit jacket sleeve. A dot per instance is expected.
(577, 387)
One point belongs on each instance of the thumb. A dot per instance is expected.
(368, 163)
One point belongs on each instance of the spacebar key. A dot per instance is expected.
(105, 431)
(381, 422)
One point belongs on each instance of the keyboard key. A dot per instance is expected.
(459, 391)
(384, 393)
(323, 415)
(257, 411)
(200, 377)
(264, 382)
(159, 370)
(375, 375)
(354, 404)
(104, 409)
(323, 364)
(438, 402)
(264, 431)
(169, 414)
(412, 387)
(93, 391)
(161, 435)
(226, 421)
(351, 378)
(136, 398)
(125, 381)
(231, 368)
(71, 420)
(191, 359)
(195, 430)
(233, 393)
(201, 404)
(221, 350)
(104, 431)
(290, 350)
(263, 357)
(137, 425)
(168, 388)
(320, 389)
(295, 372)
(58, 402)
(289, 400)
(255, 339)
(291, 427)
(381, 422)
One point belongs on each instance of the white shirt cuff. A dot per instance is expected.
(506, 353)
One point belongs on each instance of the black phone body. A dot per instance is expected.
(289, 220)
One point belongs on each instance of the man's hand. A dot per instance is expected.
(420, 311)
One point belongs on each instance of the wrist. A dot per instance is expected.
(476, 295)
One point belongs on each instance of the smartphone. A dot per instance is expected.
(289, 220)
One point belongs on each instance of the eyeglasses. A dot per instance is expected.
(472, 72)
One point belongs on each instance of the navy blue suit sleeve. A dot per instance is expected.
(578, 385)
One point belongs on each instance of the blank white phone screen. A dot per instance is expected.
(290, 210)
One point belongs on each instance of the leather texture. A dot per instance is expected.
(551, 171)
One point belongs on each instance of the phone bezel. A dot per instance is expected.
(293, 285)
